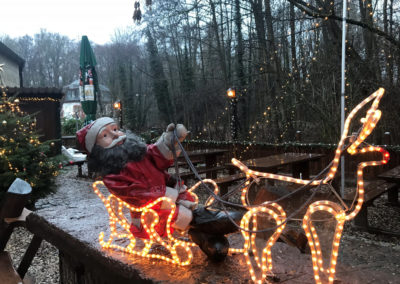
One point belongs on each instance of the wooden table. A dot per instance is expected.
(299, 162)
(209, 156)
(392, 175)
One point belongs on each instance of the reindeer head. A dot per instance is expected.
(368, 124)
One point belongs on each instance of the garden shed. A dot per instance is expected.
(45, 104)
(12, 67)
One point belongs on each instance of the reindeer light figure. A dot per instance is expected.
(340, 213)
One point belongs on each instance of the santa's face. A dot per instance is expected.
(109, 136)
(113, 159)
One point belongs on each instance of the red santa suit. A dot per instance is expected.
(140, 183)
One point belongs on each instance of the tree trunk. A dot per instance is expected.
(241, 82)
(220, 49)
(203, 76)
(295, 67)
(369, 38)
(276, 82)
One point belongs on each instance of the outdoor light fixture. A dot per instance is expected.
(260, 266)
(231, 93)
(117, 105)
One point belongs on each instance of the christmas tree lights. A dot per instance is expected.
(22, 154)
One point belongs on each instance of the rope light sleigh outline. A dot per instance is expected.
(180, 248)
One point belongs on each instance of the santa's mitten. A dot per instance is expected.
(168, 135)
(188, 204)
(181, 131)
(168, 143)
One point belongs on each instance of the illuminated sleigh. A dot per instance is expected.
(179, 249)
(263, 263)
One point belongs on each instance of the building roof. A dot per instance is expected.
(54, 93)
(7, 52)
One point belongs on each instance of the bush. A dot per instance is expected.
(69, 126)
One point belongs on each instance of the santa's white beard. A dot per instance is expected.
(112, 160)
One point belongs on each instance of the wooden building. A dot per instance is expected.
(43, 102)
(12, 67)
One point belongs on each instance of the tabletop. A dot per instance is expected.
(299, 163)
(206, 152)
(392, 175)
(209, 156)
(281, 160)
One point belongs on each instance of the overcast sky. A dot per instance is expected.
(95, 18)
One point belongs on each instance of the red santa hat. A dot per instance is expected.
(88, 134)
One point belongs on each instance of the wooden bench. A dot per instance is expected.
(372, 190)
(13, 214)
(225, 181)
(184, 163)
(75, 158)
(79, 164)
(203, 170)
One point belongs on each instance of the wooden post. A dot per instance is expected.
(387, 138)
(15, 199)
(298, 136)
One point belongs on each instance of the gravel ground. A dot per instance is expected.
(384, 251)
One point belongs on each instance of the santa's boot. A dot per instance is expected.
(214, 246)
(215, 222)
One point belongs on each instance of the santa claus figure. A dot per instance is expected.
(137, 174)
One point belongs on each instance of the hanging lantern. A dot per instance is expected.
(117, 105)
(231, 93)
(137, 14)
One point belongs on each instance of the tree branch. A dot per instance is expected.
(313, 12)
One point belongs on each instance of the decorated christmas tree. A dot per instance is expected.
(22, 155)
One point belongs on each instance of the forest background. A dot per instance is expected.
(283, 57)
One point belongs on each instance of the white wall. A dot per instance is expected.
(10, 74)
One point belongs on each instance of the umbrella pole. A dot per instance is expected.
(343, 84)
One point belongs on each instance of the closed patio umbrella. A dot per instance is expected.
(88, 83)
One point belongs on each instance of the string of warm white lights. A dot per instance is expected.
(213, 125)
(36, 99)
(259, 265)
(16, 121)
(179, 249)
